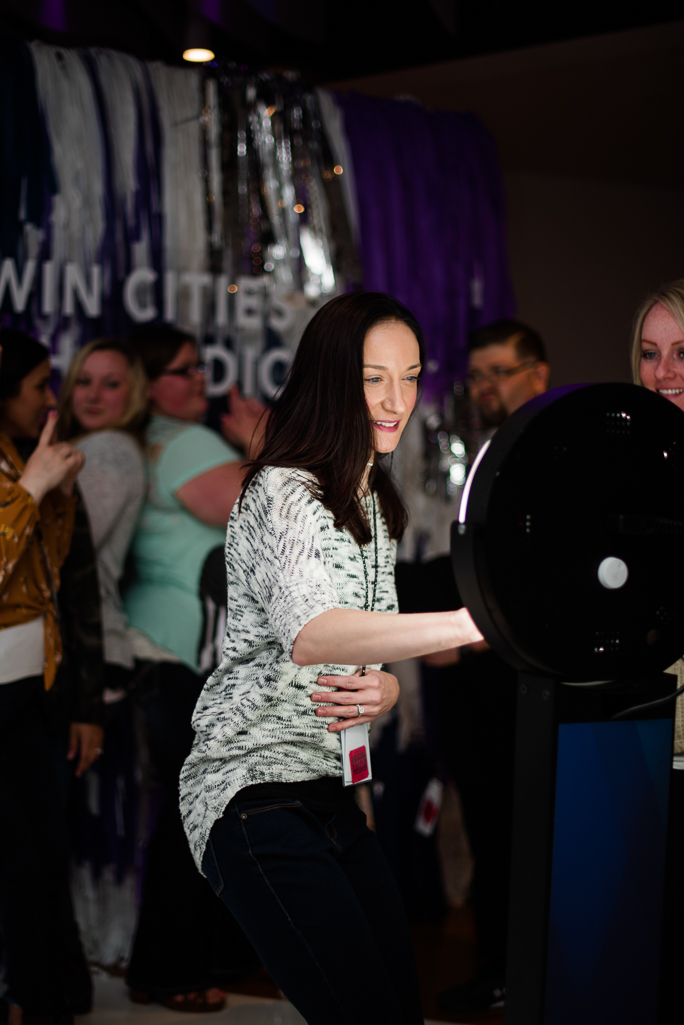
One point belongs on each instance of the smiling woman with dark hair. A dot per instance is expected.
(311, 618)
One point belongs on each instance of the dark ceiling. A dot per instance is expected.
(328, 40)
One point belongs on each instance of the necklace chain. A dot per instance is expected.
(370, 605)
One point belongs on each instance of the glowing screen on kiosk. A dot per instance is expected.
(612, 783)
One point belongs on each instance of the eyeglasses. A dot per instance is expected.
(478, 377)
(192, 370)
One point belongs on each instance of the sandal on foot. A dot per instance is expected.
(197, 1004)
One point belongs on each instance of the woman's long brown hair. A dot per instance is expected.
(320, 420)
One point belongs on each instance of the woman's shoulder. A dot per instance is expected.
(161, 430)
(171, 427)
(279, 481)
(186, 437)
(111, 444)
(277, 492)
(114, 465)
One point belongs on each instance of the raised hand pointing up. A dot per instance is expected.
(52, 464)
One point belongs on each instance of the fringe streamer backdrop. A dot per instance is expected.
(235, 204)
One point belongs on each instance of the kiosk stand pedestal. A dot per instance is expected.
(569, 554)
(589, 833)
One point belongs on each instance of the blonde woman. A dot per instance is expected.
(658, 364)
(658, 343)
(103, 411)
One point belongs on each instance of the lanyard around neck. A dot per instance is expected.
(369, 605)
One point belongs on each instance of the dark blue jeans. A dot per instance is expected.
(313, 893)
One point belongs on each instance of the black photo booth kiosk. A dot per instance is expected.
(569, 553)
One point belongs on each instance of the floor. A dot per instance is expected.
(112, 1007)
(445, 953)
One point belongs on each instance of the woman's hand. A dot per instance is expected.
(244, 426)
(465, 629)
(442, 659)
(51, 465)
(86, 738)
(77, 463)
(376, 693)
(452, 656)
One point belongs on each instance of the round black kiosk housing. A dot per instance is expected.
(569, 553)
(569, 548)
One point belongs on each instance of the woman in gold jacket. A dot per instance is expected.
(47, 977)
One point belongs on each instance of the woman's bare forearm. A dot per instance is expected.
(352, 637)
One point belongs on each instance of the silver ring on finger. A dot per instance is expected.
(361, 709)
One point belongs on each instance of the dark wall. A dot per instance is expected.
(592, 152)
(584, 253)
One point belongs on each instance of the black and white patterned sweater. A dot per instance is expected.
(254, 721)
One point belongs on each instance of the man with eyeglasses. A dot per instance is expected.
(507, 367)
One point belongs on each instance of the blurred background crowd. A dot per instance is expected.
(166, 233)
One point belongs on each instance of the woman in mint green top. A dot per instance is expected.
(194, 478)
(170, 543)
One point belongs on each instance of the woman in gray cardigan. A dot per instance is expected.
(103, 410)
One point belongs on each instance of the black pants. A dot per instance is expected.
(477, 727)
(185, 940)
(46, 968)
(316, 897)
(671, 1005)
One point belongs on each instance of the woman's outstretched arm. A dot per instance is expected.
(349, 636)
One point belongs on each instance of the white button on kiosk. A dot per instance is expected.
(569, 553)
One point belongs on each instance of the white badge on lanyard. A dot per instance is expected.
(356, 760)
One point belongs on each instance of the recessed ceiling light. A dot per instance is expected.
(198, 55)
